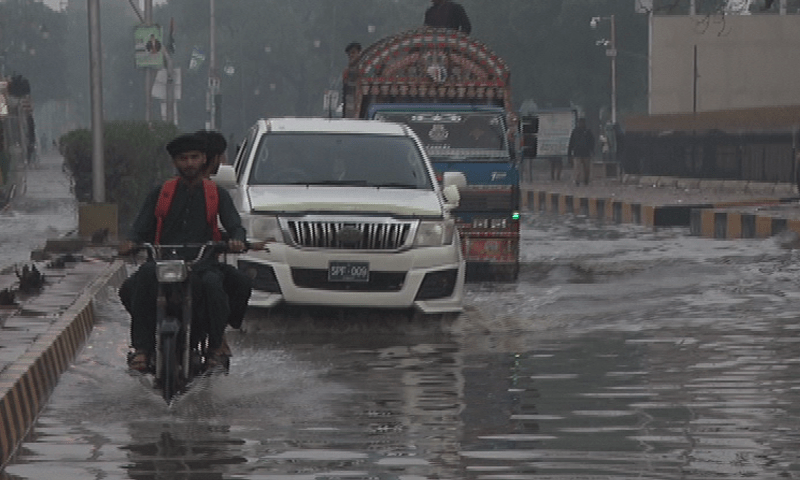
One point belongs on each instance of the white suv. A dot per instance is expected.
(352, 215)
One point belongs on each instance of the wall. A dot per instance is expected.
(743, 61)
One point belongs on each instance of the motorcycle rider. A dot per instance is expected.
(185, 221)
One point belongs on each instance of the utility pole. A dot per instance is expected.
(213, 79)
(148, 72)
(96, 76)
(612, 52)
(170, 71)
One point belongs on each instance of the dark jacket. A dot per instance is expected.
(186, 220)
(581, 143)
(448, 15)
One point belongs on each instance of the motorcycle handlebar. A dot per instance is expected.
(206, 249)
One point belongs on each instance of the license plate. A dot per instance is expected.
(348, 272)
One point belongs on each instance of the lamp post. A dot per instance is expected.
(213, 78)
(611, 52)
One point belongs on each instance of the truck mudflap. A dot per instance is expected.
(491, 255)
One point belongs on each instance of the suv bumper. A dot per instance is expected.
(429, 279)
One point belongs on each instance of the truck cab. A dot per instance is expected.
(455, 93)
(476, 141)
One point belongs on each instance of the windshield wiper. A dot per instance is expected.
(339, 182)
(395, 185)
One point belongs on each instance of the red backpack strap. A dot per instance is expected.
(164, 202)
(212, 208)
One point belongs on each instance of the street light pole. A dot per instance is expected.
(148, 73)
(213, 79)
(96, 85)
(612, 52)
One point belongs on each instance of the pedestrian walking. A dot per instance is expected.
(581, 149)
(556, 166)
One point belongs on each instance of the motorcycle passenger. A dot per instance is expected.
(185, 221)
(238, 286)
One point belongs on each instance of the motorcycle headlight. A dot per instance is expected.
(171, 271)
(435, 234)
(264, 228)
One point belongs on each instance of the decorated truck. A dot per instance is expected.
(455, 93)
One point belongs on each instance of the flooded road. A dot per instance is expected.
(41, 209)
(620, 353)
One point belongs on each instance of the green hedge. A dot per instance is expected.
(135, 161)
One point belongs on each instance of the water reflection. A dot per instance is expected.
(697, 377)
(179, 451)
(612, 404)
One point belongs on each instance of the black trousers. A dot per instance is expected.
(210, 303)
(237, 285)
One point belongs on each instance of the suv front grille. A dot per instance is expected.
(377, 234)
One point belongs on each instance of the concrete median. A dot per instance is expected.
(41, 338)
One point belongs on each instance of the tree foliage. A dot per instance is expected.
(135, 160)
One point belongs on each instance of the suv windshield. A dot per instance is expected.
(455, 133)
(339, 159)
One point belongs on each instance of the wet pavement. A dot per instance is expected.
(43, 210)
(621, 352)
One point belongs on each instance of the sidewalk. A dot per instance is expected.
(42, 332)
(724, 209)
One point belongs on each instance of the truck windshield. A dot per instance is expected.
(463, 134)
(339, 159)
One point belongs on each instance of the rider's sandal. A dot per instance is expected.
(139, 361)
(218, 361)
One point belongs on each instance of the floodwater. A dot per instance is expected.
(42, 208)
(620, 353)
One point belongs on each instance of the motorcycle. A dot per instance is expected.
(181, 354)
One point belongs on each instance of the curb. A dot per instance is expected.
(731, 224)
(26, 385)
(619, 211)
(725, 220)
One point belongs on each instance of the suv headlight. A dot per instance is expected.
(435, 234)
(265, 228)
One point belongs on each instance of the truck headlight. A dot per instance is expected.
(170, 271)
(435, 234)
(265, 228)
(490, 223)
(500, 223)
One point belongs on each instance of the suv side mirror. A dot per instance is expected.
(225, 177)
(454, 178)
(451, 182)
(451, 196)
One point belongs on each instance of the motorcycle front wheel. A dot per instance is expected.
(170, 374)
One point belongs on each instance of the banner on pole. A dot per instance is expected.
(148, 52)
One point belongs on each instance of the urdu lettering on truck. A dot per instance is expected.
(455, 93)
